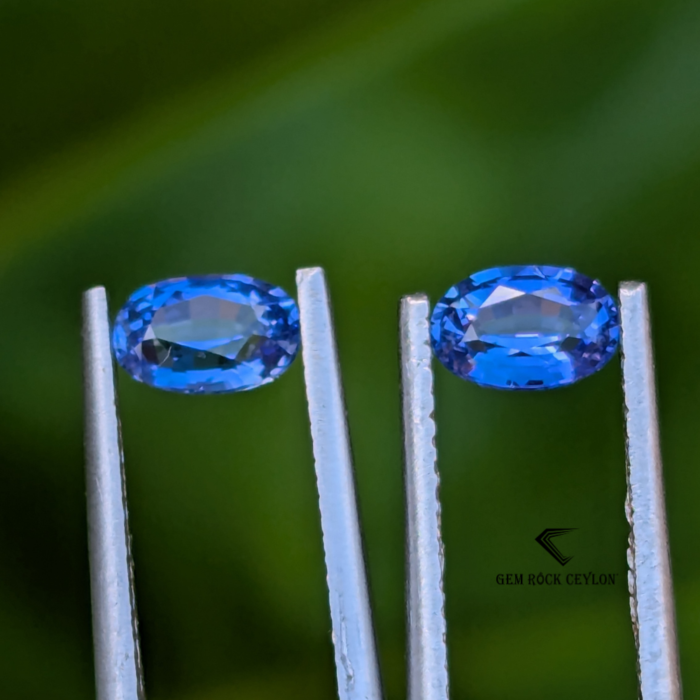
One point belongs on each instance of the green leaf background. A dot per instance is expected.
(402, 146)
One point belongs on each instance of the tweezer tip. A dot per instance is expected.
(305, 274)
(93, 291)
(632, 287)
(417, 298)
(95, 294)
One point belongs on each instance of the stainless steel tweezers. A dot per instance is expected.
(118, 667)
(650, 584)
(115, 628)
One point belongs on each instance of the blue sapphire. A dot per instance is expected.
(207, 335)
(525, 327)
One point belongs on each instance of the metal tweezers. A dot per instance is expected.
(118, 667)
(650, 583)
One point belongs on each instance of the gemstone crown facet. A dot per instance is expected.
(207, 335)
(525, 327)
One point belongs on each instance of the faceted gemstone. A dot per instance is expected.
(530, 327)
(207, 335)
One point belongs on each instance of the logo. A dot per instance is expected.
(545, 540)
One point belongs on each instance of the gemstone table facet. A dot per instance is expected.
(525, 327)
(207, 335)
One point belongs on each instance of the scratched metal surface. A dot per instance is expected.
(650, 582)
(426, 624)
(118, 671)
(353, 636)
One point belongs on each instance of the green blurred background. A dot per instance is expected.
(401, 145)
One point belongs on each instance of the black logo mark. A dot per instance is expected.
(545, 540)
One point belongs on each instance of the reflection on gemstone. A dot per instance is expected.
(529, 327)
(207, 335)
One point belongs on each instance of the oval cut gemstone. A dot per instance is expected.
(207, 335)
(525, 327)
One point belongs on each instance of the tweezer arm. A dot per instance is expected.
(115, 635)
(353, 636)
(651, 586)
(427, 647)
